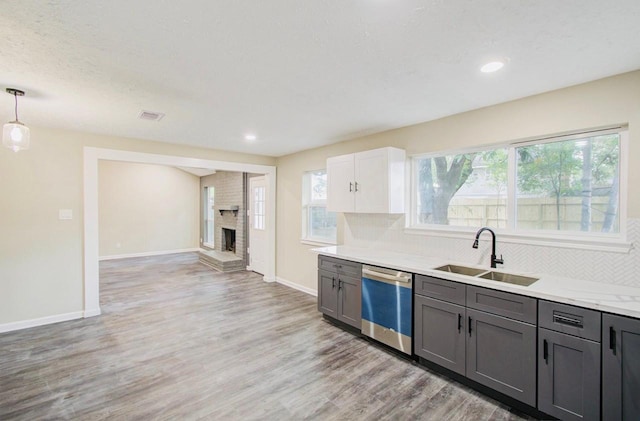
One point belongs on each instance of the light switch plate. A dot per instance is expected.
(65, 214)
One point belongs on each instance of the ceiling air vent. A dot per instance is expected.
(150, 115)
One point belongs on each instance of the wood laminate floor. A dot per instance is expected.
(178, 340)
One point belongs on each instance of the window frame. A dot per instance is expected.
(570, 239)
(307, 204)
(205, 192)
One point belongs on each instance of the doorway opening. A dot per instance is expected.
(92, 156)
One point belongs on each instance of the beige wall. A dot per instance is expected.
(41, 256)
(146, 208)
(604, 102)
(41, 260)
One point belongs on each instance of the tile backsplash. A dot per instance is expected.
(386, 232)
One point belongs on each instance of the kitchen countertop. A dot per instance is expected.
(610, 298)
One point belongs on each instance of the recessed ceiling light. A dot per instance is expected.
(492, 66)
(250, 137)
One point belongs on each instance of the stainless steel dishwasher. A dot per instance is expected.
(386, 306)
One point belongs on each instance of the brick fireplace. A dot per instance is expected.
(229, 252)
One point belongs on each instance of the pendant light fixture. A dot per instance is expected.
(15, 135)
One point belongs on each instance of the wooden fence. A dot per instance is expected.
(532, 213)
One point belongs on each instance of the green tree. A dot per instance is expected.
(587, 191)
(549, 169)
(439, 179)
(498, 168)
(606, 175)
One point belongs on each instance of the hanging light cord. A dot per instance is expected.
(15, 96)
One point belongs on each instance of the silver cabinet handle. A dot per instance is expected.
(567, 320)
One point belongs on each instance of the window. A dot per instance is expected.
(259, 210)
(209, 213)
(570, 185)
(317, 224)
(468, 189)
(567, 184)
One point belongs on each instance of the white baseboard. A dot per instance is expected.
(25, 324)
(92, 312)
(147, 253)
(296, 286)
(266, 279)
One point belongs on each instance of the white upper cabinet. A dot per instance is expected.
(367, 182)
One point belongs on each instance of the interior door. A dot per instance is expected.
(258, 224)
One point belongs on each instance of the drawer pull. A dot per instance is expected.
(567, 321)
(334, 283)
(612, 339)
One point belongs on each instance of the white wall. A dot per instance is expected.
(605, 102)
(146, 208)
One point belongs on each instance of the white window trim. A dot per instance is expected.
(307, 203)
(562, 239)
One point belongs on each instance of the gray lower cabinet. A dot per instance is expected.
(568, 376)
(568, 361)
(501, 354)
(350, 301)
(328, 293)
(439, 334)
(620, 368)
(340, 290)
(486, 335)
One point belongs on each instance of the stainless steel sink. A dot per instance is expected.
(461, 270)
(509, 278)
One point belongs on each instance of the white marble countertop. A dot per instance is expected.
(610, 298)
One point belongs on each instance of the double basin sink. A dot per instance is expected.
(508, 278)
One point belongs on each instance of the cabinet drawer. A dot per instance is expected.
(505, 304)
(442, 289)
(575, 321)
(344, 267)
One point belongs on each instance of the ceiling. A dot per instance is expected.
(296, 73)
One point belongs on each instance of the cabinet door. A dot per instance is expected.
(372, 178)
(328, 293)
(620, 368)
(440, 333)
(501, 354)
(568, 376)
(340, 184)
(349, 301)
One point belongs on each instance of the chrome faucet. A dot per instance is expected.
(494, 259)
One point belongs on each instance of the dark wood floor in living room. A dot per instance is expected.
(178, 340)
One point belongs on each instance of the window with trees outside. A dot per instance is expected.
(317, 224)
(567, 184)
